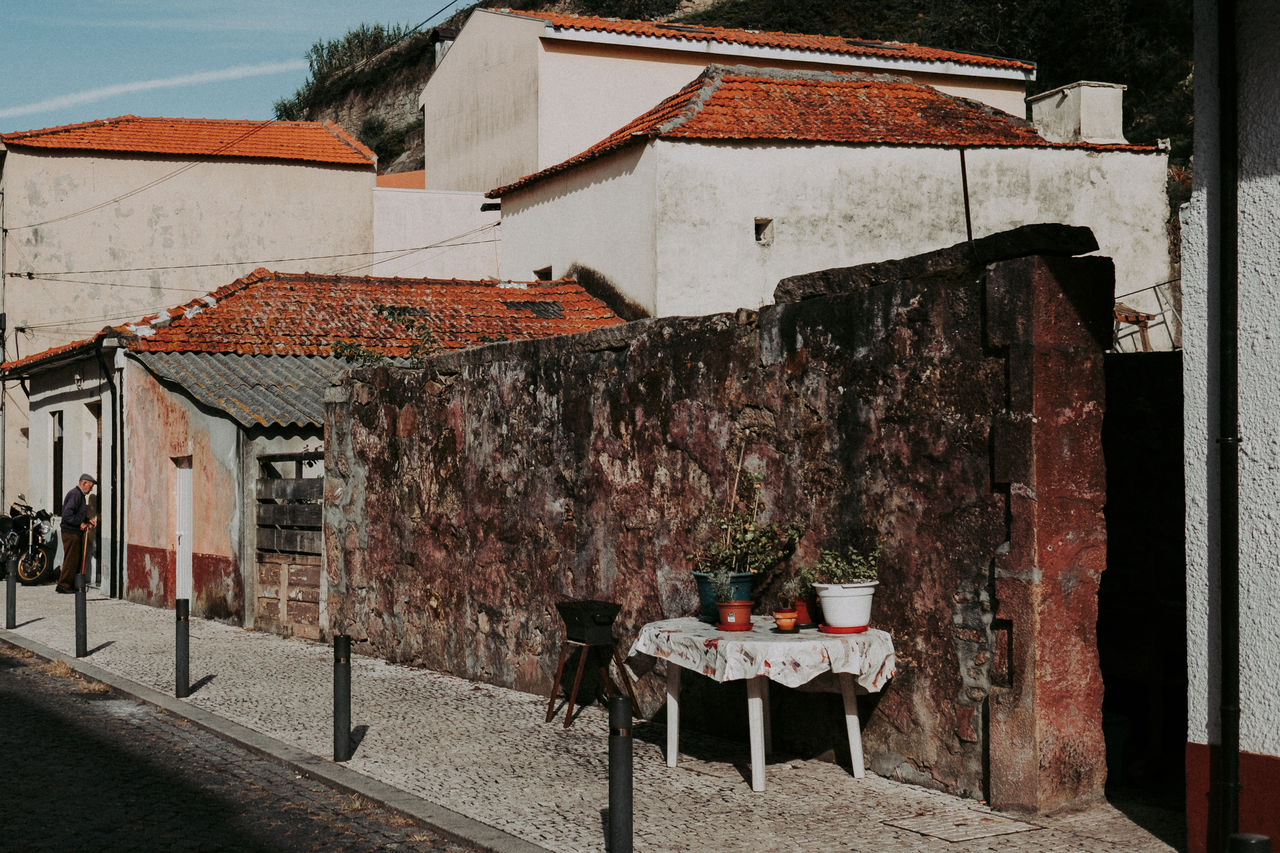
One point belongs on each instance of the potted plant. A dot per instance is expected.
(790, 599)
(846, 580)
(744, 548)
(734, 613)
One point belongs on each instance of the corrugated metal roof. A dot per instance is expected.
(255, 390)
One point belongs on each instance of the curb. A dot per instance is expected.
(451, 824)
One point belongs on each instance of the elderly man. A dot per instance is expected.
(75, 526)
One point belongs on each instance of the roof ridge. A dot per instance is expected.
(781, 39)
(343, 136)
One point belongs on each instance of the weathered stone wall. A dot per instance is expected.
(955, 414)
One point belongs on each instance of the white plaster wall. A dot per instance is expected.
(829, 206)
(463, 239)
(601, 216)
(480, 106)
(588, 91)
(506, 102)
(1121, 195)
(1259, 394)
(126, 236)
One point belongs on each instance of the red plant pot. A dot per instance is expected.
(734, 615)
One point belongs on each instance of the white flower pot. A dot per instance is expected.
(846, 605)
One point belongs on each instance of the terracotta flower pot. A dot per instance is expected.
(808, 612)
(786, 620)
(742, 585)
(734, 615)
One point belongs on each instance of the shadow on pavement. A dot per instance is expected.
(357, 735)
(198, 683)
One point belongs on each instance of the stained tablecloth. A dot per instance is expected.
(789, 659)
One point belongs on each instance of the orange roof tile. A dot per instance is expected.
(788, 41)
(273, 313)
(404, 180)
(741, 104)
(309, 141)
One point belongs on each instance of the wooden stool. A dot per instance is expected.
(589, 628)
(601, 653)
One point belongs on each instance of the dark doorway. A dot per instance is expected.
(1142, 642)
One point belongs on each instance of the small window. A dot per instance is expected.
(543, 274)
(764, 231)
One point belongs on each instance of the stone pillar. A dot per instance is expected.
(1052, 316)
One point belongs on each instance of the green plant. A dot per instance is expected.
(792, 588)
(413, 321)
(744, 543)
(722, 585)
(849, 564)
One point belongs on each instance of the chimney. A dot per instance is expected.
(1080, 112)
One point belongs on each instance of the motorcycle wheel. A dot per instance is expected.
(32, 569)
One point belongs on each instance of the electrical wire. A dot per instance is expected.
(447, 241)
(208, 158)
(160, 180)
(358, 65)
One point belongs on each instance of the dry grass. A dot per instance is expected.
(17, 652)
(355, 804)
(62, 669)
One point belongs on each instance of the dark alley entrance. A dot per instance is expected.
(1142, 642)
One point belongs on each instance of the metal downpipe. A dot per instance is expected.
(1229, 417)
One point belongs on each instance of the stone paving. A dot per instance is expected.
(485, 753)
(89, 769)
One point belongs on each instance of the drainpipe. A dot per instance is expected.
(4, 347)
(1228, 415)
(116, 573)
(111, 477)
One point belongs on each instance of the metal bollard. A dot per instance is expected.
(11, 597)
(620, 825)
(82, 643)
(1247, 842)
(341, 697)
(182, 648)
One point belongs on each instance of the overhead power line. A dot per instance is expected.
(447, 241)
(135, 191)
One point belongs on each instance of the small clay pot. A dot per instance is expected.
(734, 615)
(786, 620)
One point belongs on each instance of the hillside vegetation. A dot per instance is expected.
(369, 79)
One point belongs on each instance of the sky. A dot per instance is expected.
(68, 61)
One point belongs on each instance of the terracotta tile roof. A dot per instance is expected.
(787, 41)
(404, 180)
(749, 104)
(309, 141)
(272, 313)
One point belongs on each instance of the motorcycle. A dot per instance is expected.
(8, 542)
(36, 543)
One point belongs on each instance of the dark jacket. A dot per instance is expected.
(75, 510)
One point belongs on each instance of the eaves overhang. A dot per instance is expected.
(776, 54)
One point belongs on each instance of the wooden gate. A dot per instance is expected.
(290, 506)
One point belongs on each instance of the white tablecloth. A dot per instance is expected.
(789, 659)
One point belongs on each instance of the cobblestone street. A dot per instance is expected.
(477, 761)
(90, 769)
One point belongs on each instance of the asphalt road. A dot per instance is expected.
(83, 768)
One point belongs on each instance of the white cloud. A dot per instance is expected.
(91, 95)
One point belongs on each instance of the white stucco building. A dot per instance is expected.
(747, 176)
(1258, 269)
(520, 91)
(421, 233)
(111, 219)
